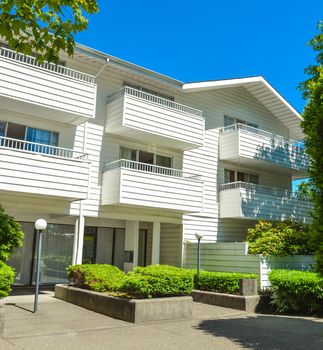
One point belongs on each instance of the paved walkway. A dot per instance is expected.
(60, 325)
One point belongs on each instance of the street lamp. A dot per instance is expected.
(198, 236)
(40, 225)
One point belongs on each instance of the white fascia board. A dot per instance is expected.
(219, 84)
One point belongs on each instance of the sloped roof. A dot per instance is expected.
(263, 92)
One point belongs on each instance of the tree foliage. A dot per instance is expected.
(312, 125)
(279, 239)
(44, 27)
(11, 235)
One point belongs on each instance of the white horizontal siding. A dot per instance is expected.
(234, 102)
(204, 161)
(151, 190)
(54, 91)
(135, 118)
(43, 175)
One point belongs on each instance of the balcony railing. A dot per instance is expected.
(258, 202)
(255, 147)
(55, 68)
(272, 191)
(34, 147)
(156, 99)
(283, 140)
(156, 169)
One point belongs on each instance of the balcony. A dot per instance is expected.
(129, 183)
(45, 90)
(262, 150)
(135, 114)
(245, 200)
(40, 170)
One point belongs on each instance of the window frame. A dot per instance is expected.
(155, 154)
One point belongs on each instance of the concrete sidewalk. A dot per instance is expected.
(60, 325)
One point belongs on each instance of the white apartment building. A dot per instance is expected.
(126, 164)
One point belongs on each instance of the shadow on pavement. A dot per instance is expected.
(31, 290)
(268, 332)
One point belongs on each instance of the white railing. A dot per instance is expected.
(295, 144)
(150, 168)
(34, 147)
(52, 67)
(156, 99)
(272, 191)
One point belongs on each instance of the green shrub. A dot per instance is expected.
(221, 282)
(96, 277)
(279, 239)
(157, 281)
(297, 291)
(7, 276)
(11, 235)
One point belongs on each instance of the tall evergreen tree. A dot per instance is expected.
(312, 125)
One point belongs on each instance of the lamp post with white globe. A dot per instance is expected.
(198, 236)
(40, 225)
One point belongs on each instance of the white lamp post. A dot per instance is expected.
(40, 225)
(198, 236)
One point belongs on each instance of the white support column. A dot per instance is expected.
(155, 251)
(78, 240)
(131, 245)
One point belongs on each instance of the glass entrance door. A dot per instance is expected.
(142, 248)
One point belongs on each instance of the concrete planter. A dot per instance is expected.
(246, 303)
(130, 310)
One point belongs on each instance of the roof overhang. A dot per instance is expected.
(264, 93)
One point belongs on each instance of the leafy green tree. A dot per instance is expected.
(44, 27)
(312, 125)
(305, 190)
(11, 235)
(279, 238)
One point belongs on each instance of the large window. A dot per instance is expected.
(233, 176)
(26, 133)
(231, 120)
(145, 157)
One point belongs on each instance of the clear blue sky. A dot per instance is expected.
(211, 39)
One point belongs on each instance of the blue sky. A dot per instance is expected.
(206, 40)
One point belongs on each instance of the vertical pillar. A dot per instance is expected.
(131, 245)
(155, 253)
(78, 240)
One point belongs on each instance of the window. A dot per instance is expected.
(26, 133)
(230, 121)
(145, 157)
(233, 176)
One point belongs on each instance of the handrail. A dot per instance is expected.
(34, 147)
(156, 99)
(150, 168)
(52, 67)
(260, 132)
(274, 191)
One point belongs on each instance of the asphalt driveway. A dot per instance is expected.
(60, 325)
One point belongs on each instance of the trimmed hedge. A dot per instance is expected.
(221, 282)
(7, 276)
(97, 277)
(157, 281)
(297, 291)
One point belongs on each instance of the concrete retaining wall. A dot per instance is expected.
(246, 303)
(130, 310)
